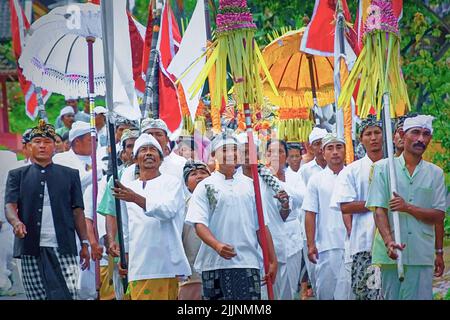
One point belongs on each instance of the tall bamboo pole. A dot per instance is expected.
(108, 54)
(90, 43)
(259, 209)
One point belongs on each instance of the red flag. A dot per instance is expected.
(19, 24)
(318, 38)
(137, 50)
(148, 39)
(168, 44)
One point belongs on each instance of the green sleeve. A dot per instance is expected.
(378, 194)
(107, 205)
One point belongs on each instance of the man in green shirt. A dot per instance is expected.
(421, 204)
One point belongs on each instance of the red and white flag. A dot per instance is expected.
(168, 44)
(19, 24)
(318, 38)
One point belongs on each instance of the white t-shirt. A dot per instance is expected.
(296, 190)
(307, 170)
(233, 221)
(173, 164)
(80, 163)
(153, 237)
(330, 228)
(48, 233)
(351, 185)
(271, 208)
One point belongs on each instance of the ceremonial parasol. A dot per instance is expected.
(303, 81)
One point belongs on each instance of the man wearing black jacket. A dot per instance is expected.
(44, 204)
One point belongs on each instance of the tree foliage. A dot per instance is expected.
(425, 55)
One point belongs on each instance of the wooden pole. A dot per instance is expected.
(90, 43)
(108, 54)
(259, 209)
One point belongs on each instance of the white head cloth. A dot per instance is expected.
(79, 128)
(146, 140)
(317, 134)
(421, 121)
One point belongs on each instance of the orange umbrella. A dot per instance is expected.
(302, 80)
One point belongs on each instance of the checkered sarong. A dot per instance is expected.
(32, 280)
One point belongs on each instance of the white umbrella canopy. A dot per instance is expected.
(55, 56)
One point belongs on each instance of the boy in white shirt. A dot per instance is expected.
(223, 211)
(325, 230)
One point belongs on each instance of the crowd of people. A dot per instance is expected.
(189, 223)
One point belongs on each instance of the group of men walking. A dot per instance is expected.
(191, 231)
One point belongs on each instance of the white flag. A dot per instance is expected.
(124, 93)
(193, 45)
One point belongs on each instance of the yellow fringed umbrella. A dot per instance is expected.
(297, 74)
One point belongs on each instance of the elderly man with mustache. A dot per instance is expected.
(421, 203)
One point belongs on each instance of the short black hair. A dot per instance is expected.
(285, 146)
(65, 136)
(295, 146)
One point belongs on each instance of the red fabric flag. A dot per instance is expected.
(137, 51)
(19, 24)
(148, 39)
(168, 44)
(318, 38)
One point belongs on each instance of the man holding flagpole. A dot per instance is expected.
(421, 203)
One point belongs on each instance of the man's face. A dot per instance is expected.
(195, 177)
(119, 131)
(100, 120)
(148, 157)
(416, 140)
(334, 153)
(276, 155)
(59, 145)
(227, 155)
(42, 149)
(372, 139)
(127, 154)
(83, 144)
(294, 158)
(316, 147)
(398, 141)
(68, 120)
(160, 135)
(73, 103)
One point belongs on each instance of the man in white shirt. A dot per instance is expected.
(325, 230)
(277, 205)
(290, 232)
(152, 226)
(305, 172)
(191, 288)
(79, 158)
(79, 155)
(223, 211)
(9, 162)
(350, 195)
